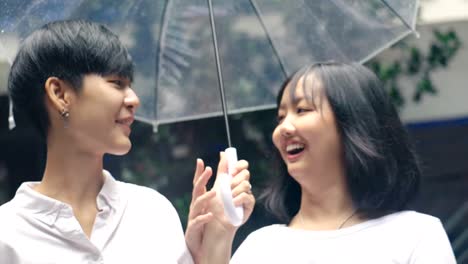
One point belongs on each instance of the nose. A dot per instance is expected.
(131, 100)
(286, 127)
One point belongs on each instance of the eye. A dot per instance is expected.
(117, 83)
(301, 110)
(279, 118)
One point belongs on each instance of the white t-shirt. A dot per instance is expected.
(134, 225)
(406, 237)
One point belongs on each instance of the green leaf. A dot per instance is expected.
(415, 61)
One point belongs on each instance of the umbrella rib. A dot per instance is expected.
(262, 23)
(398, 15)
(162, 36)
(218, 68)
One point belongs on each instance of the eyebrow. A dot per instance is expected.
(295, 102)
(298, 99)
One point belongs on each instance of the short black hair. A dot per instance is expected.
(67, 50)
(381, 167)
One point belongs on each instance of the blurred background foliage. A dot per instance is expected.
(417, 64)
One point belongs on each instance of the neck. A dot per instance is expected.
(326, 204)
(71, 176)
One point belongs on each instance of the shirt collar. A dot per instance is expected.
(48, 209)
(109, 194)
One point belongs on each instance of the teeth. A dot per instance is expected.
(293, 147)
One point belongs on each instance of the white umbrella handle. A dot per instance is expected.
(235, 214)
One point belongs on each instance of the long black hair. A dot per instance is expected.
(67, 50)
(381, 167)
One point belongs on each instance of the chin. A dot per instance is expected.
(295, 171)
(122, 148)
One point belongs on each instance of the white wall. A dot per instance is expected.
(440, 11)
(452, 99)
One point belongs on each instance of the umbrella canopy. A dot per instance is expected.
(260, 42)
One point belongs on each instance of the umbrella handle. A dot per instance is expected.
(235, 214)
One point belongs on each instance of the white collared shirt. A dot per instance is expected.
(134, 224)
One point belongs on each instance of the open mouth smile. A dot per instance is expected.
(294, 150)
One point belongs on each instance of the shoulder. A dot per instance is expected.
(5, 208)
(137, 194)
(8, 215)
(132, 193)
(413, 216)
(149, 203)
(261, 245)
(409, 221)
(430, 241)
(411, 225)
(9, 219)
(421, 233)
(140, 191)
(156, 216)
(265, 234)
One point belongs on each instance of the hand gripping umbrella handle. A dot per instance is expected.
(235, 214)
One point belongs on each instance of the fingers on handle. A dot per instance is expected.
(247, 201)
(243, 175)
(240, 166)
(242, 187)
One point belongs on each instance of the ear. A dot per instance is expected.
(58, 93)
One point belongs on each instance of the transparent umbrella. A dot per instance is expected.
(259, 42)
(202, 58)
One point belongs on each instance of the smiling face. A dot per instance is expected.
(306, 135)
(101, 115)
